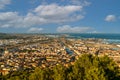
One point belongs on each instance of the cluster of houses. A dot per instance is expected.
(96, 47)
(47, 52)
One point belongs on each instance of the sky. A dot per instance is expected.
(59, 16)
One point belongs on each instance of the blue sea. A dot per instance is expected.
(110, 38)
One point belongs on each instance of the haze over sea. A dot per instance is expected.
(108, 37)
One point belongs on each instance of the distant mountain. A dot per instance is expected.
(2, 33)
(7, 36)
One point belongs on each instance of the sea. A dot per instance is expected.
(107, 37)
(110, 38)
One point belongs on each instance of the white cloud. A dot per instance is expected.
(3, 3)
(80, 2)
(10, 19)
(36, 30)
(54, 13)
(43, 14)
(54, 9)
(110, 18)
(69, 29)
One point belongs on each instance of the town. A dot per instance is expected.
(33, 51)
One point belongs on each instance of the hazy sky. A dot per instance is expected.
(62, 16)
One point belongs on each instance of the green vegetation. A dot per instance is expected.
(87, 67)
(7, 36)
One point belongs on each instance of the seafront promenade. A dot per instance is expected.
(42, 51)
